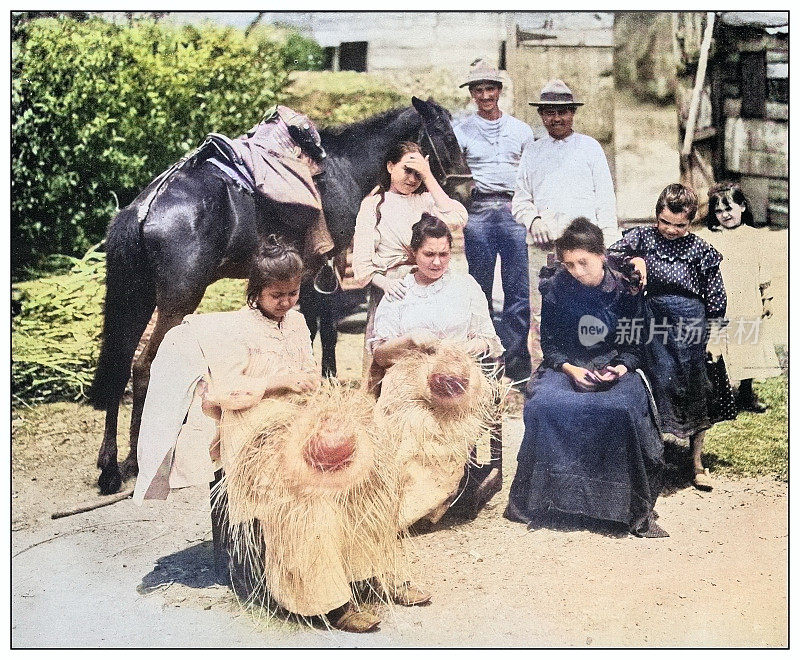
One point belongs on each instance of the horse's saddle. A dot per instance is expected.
(262, 161)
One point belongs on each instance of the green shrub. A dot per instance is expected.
(341, 97)
(99, 109)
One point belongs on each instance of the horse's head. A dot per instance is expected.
(439, 142)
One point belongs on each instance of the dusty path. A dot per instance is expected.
(131, 576)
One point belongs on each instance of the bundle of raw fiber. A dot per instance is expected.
(313, 500)
(434, 402)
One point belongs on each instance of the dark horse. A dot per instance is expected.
(199, 228)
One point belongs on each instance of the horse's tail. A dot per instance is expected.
(130, 301)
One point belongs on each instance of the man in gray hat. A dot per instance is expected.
(562, 176)
(492, 142)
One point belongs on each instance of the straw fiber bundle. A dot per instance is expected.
(435, 403)
(313, 499)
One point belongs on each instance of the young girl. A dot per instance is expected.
(747, 276)
(220, 364)
(381, 243)
(224, 364)
(685, 289)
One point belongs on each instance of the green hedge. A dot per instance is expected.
(99, 109)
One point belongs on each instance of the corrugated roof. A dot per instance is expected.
(757, 19)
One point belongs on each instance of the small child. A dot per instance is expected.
(381, 243)
(684, 291)
(747, 275)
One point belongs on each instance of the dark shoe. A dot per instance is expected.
(650, 529)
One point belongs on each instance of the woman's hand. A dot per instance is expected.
(422, 339)
(640, 267)
(298, 382)
(583, 379)
(419, 163)
(611, 374)
(209, 407)
(392, 289)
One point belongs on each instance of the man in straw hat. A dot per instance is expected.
(562, 176)
(492, 142)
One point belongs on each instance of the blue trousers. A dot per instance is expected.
(491, 230)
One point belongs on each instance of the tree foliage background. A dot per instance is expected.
(99, 109)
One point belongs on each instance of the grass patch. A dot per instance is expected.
(754, 444)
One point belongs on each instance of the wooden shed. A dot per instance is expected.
(742, 118)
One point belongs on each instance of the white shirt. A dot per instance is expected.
(493, 150)
(561, 180)
(452, 307)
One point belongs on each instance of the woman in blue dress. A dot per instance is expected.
(592, 446)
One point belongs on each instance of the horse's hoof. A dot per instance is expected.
(129, 468)
(110, 481)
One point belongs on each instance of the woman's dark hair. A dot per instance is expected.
(678, 199)
(580, 234)
(429, 226)
(726, 193)
(276, 261)
(385, 179)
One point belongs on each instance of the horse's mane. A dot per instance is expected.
(364, 127)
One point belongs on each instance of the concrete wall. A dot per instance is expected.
(408, 40)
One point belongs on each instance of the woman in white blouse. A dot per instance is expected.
(381, 243)
(437, 304)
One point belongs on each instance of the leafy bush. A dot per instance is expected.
(99, 109)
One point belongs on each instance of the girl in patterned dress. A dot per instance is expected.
(684, 292)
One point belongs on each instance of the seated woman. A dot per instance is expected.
(591, 444)
(440, 311)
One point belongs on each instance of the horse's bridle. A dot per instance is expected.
(438, 161)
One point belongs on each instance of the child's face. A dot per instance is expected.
(728, 212)
(278, 298)
(672, 225)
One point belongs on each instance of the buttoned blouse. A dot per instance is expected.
(452, 307)
(684, 266)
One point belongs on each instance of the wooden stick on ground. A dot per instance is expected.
(96, 504)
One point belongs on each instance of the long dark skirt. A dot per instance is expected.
(598, 454)
(681, 386)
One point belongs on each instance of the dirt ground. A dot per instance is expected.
(129, 576)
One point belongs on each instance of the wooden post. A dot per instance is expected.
(694, 108)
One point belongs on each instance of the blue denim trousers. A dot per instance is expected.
(491, 230)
